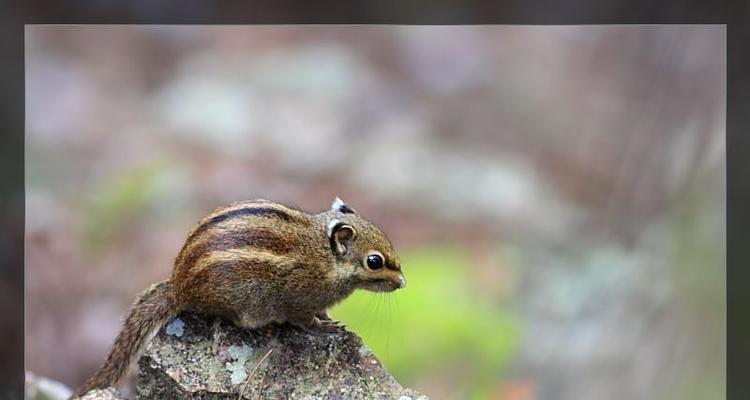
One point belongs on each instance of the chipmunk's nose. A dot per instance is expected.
(401, 282)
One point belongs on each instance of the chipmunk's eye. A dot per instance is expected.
(374, 261)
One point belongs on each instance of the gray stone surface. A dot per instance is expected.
(195, 357)
(41, 388)
(103, 394)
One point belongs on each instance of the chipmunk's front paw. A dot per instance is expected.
(317, 326)
(330, 326)
(323, 316)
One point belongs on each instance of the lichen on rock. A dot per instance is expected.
(213, 359)
(103, 394)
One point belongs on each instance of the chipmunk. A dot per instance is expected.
(259, 262)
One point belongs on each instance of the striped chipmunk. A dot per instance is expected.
(259, 262)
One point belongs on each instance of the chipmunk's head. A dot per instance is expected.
(362, 251)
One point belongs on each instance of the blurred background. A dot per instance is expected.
(557, 194)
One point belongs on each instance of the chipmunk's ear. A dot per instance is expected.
(339, 205)
(340, 236)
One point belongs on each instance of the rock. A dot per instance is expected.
(103, 394)
(41, 388)
(199, 357)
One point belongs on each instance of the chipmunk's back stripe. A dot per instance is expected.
(258, 209)
(264, 265)
(249, 211)
(251, 240)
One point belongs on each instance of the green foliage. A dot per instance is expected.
(698, 224)
(119, 199)
(438, 322)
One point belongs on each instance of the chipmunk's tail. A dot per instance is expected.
(153, 308)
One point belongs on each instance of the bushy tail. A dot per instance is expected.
(153, 308)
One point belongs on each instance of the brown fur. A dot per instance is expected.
(257, 262)
(151, 310)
